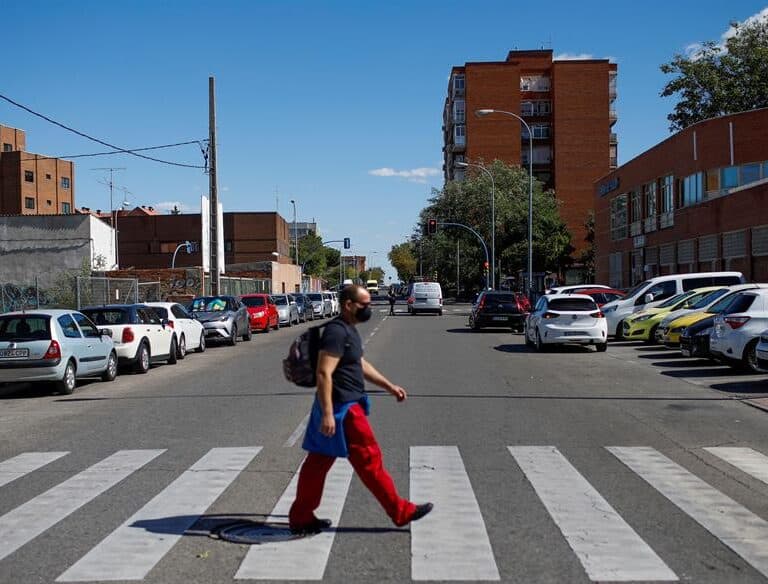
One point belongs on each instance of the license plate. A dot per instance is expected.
(573, 333)
(500, 318)
(13, 353)
(685, 352)
(421, 300)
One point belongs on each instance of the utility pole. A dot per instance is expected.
(212, 190)
(112, 218)
(457, 269)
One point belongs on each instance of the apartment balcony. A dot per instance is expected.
(635, 228)
(613, 116)
(613, 162)
(667, 219)
(613, 138)
(651, 223)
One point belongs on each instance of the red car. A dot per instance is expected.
(602, 295)
(262, 312)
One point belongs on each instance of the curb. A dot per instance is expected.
(759, 403)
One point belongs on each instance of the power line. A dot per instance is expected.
(102, 142)
(127, 150)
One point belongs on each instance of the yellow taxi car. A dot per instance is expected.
(669, 332)
(642, 326)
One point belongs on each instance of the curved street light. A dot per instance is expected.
(486, 112)
(493, 216)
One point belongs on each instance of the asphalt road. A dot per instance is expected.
(567, 466)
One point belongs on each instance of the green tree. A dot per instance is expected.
(587, 256)
(312, 255)
(402, 258)
(720, 79)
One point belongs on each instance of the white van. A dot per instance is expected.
(373, 287)
(425, 297)
(654, 291)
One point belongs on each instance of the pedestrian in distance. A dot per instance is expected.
(338, 424)
(392, 299)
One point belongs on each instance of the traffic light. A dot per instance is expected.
(188, 246)
(347, 243)
(431, 226)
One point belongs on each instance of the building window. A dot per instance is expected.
(47, 177)
(619, 217)
(459, 116)
(765, 169)
(637, 206)
(66, 208)
(7, 147)
(536, 108)
(459, 135)
(540, 131)
(750, 173)
(713, 182)
(64, 182)
(649, 190)
(168, 246)
(49, 202)
(229, 245)
(526, 108)
(693, 189)
(729, 177)
(667, 194)
(29, 203)
(29, 176)
(458, 84)
(534, 83)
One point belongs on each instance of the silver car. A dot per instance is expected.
(321, 306)
(223, 318)
(287, 310)
(58, 346)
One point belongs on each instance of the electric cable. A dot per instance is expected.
(128, 150)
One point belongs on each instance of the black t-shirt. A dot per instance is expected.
(342, 340)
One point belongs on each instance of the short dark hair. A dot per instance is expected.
(351, 292)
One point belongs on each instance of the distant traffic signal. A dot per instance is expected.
(431, 226)
(347, 243)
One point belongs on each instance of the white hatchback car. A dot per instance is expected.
(566, 318)
(736, 333)
(58, 346)
(190, 333)
(762, 351)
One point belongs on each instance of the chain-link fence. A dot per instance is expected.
(96, 291)
(239, 286)
(26, 296)
(149, 292)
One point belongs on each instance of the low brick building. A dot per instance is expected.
(698, 201)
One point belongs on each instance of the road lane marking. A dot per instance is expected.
(25, 463)
(747, 460)
(304, 558)
(734, 525)
(133, 549)
(607, 547)
(29, 520)
(451, 543)
(297, 433)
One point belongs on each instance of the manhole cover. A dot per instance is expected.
(248, 532)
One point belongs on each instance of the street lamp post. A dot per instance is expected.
(124, 204)
(493, 217)
(485, 112)
(296, 241)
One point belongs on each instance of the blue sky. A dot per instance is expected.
(314, 99)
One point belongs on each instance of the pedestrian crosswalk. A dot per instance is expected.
(451, 543)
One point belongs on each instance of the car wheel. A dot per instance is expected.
(172, 353)
(619, 331)
(182, 350)
(277, 324)
(750, 357)
(652, 335)
(68, 381)
(539, 342)
(201, 346)
(232, 341)
(601, 347)
(248, 335)
(111, 371)
(267, 328)
(528, 341)
(440, 313)
(142, 359)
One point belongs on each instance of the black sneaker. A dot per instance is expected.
(421, 511)
(315, 526)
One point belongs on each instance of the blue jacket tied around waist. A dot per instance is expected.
(335, 445)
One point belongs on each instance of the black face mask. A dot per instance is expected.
(363, 314)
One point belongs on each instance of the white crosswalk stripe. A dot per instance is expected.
(18, 466)
(451, 543)
(306, 558)
(133, 549)
(734, 525)
(607, 547)
(26, 522)
(745, 459)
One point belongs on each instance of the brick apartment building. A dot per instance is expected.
(148, 240)
(32, 184)
(356, 262)
(569, 107)
(698, 201)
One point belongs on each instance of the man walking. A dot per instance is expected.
(392, 299)
(338, 425)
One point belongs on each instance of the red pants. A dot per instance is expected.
(365, 457)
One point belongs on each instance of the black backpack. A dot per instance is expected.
(301, 364)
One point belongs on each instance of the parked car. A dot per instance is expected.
(328, 299)
(495, 308)
(140, 336)
(320, 308)
(698, 306)
(190, 334)
(335, 303)
(58, 346)
(576, 288)
(653, 292)
(425, 297)
(736, 332)
(262, 312)
(694, 339)
(223, 317)
(566, 318)
(602, 295)
(642, 326)
(302, 308)
(762, 351)
(670, 332)
(286, 309)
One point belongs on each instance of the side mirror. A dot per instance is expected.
(105, 332)
(165, 322)
(648, 298)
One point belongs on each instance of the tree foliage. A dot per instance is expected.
(402, 258)
(587, 257)
(469, 202)
(720, 79)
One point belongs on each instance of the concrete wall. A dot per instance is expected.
(285, 278)
(45, 246)
(103, 244)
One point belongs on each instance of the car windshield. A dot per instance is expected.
(209, 304)
(675, 299)
(281, 300)
(109, 316)
(500, 298)
(709, 299)
(572, 304)
(721, 304)
(29, 327)
(635, 289)
(315, 296)
(253, 301)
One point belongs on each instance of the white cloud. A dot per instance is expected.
(167, 206)
(692, 50)
(417, 175)
(573, 57)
